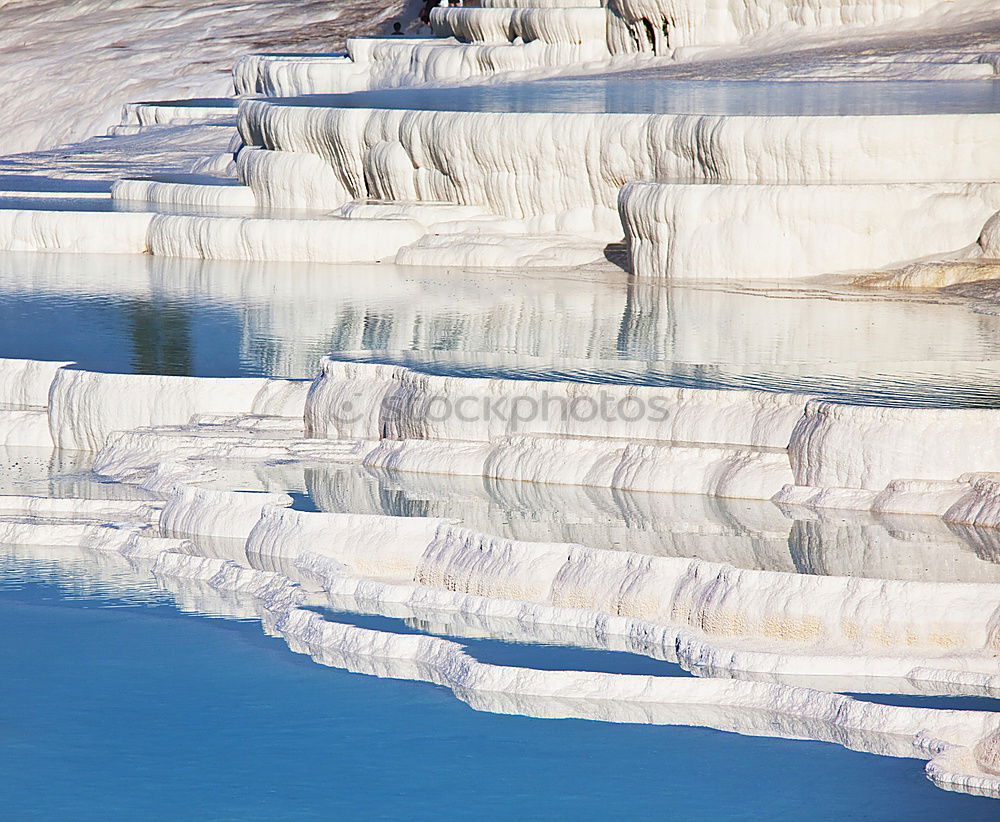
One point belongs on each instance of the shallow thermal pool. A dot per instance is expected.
(753, 534)
(112, 691)
(652, 95)
(146, 314)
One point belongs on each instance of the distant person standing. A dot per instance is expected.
(425, 12)
(397, 29)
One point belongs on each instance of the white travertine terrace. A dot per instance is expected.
(368, 401)
(559, 180)
(188, 194)
(959, 744)
(504, 25)
(192, 511)
(287, 75)
(664, 25)
(720, 619)
(797, 176)
(373, 63)
(85, 407)
(829, 445)
(23, 425)
(801, 173)
(721, 231)
(304, 239)
(775, 168)
(989, 239)
(152, 114)
(526, 172)
(74, 231)
(277, 179)
(742, 444)
(977, 261)
(425, 187)
(541, 4)
(509, 36)
(27, 382)
(858, 446)
(792, 611)
(754, 535)
(213, 236)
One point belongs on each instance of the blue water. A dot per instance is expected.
(519, 654)
(896, 384)
(144, 314)
(125, 334)
(41, 202)
(301, 501)
(189, 178)
(656, 95)
(194, 102)
(39, 183)
(119, 710)
(571, 658)
(767, 537)
(946, 703)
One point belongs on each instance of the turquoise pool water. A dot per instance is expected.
(610, 94)
(152, 315)
(519, 655)
(574, 658)
(754, 534)
(137, 711)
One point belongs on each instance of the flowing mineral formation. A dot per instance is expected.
(762, 540)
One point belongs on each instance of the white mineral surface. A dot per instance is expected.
(779, 545)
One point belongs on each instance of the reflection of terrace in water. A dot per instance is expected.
(516, 596)
(279, 319)
(637, 94)
(81, 600)
(752, 534)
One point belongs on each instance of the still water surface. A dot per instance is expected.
(649, 94)
(152, 315)
(117, 705)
